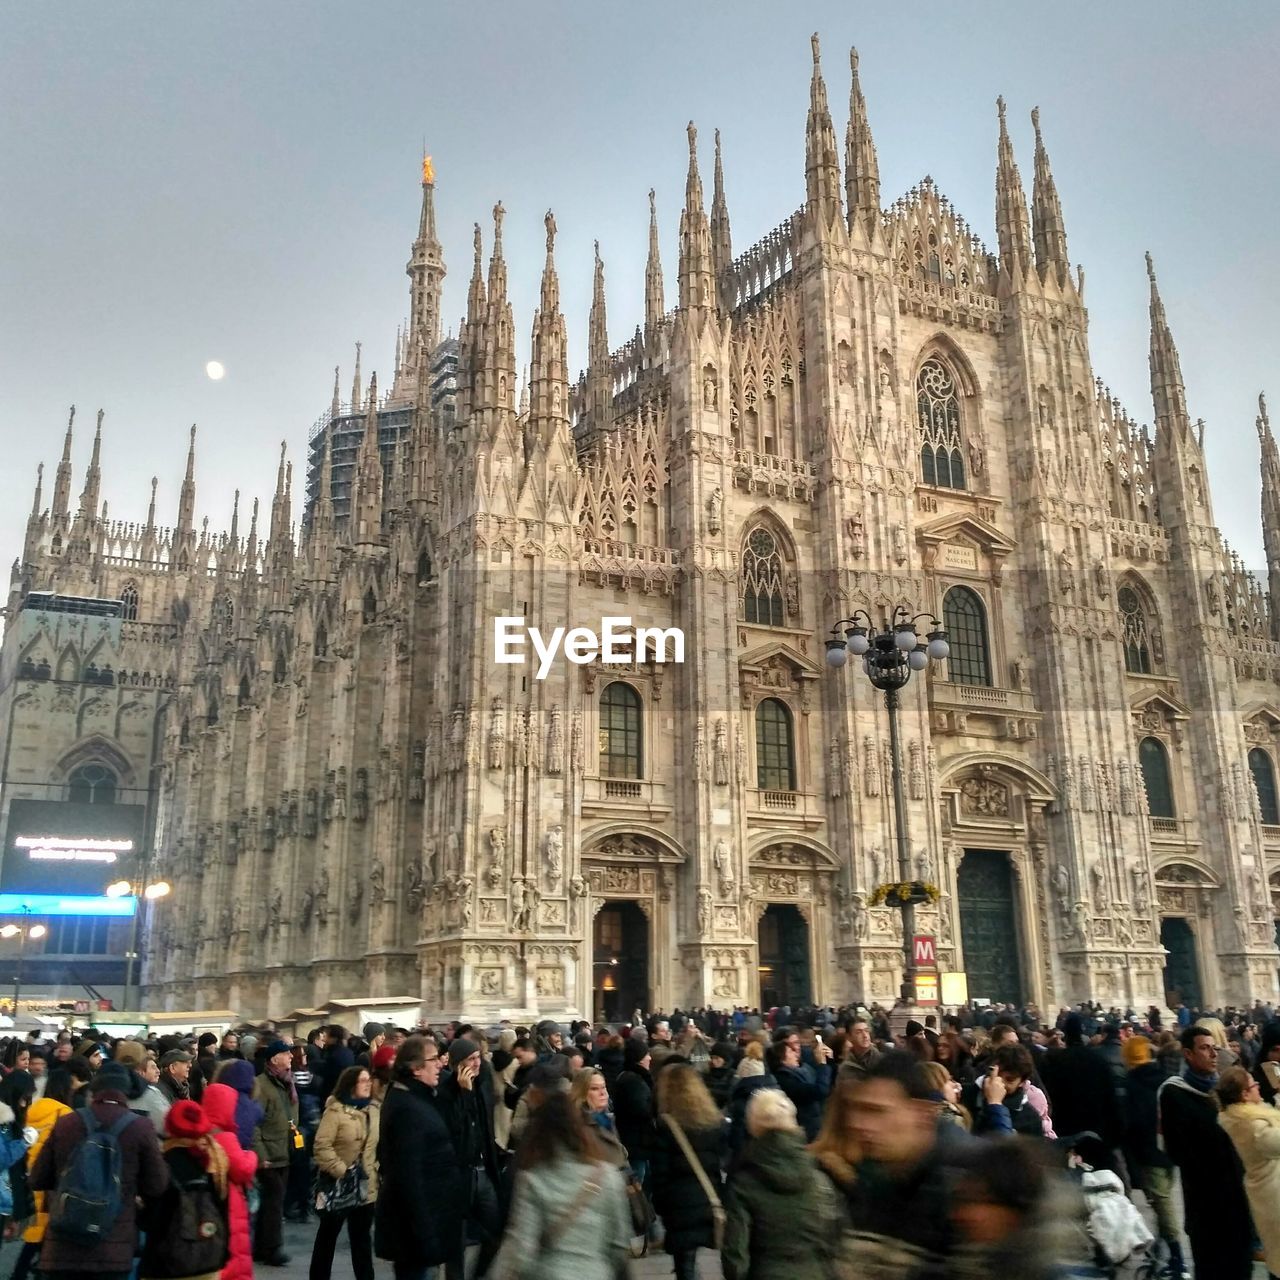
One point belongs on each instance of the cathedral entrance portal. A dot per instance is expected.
(1181, 970)
(784, 957)
(989, 927)
(620, 956)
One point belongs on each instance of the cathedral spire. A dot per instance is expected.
(426, 272)
(335, 406)
(366, 490)
(357, 392)
(93, 477)
(471, 333)
(861, 166)
(654, 305)
(821, 159)
(548, 388)
(151, 506)
(499, 367)
(721, 239)
(280, 514)
(187, 494)
(1168, 393)
(62, 478)
(233, 534)
(599, 370)
(1270, 510)
(1011, 209)
(697, 274)
(1046, 216)
(37, 501)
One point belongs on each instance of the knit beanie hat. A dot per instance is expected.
(112, 1075)
(187, 1119)
(749, 1067)
(634, 1052)
(1135, 1052)
(460, 1049)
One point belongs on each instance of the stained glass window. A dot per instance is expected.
(941, 438)
(763, 601)
(1133, 632)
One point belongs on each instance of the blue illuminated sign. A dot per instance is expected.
(53, 904)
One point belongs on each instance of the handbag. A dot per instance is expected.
(642, 1214)
(337, 1195)
(717, 1209)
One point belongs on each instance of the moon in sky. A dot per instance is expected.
(215, 370)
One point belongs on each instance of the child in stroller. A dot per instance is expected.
(1122, 1241)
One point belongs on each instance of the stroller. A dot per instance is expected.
(1121, 1240)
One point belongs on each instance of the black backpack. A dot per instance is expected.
(88, 1199)
(187, 1231)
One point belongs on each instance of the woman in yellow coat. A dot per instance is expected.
(42, 1115)
(1254, 1129)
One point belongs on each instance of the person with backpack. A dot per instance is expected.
(187, 1229)
(220, 1103)
(97, 1161)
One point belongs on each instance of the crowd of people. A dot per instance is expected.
(813, 1144)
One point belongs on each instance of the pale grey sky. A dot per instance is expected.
(239, 181)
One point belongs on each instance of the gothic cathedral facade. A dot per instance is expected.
(865, 410)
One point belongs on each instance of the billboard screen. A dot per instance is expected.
(60, 852)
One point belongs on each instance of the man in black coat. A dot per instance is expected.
(1217, 1213)
(465, 1103)
(422, 1189)
(1081, 1088)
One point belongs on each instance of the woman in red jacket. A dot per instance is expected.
(219, 1103)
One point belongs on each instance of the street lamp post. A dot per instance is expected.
(142, 893)
(889, 657)
(22, 933)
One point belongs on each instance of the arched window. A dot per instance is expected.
(129, 603)
(92, 784)
(621, 754)
(938, 415)
(763, 573)
(1264, 781)
(424, 568)
(244, 695)
(775, 748)
(370, 608)
(1154, 762)
(321, 645)
(211, 716)
(1133, 632)
(965, 621)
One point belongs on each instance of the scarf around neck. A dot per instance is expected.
(1202, 1083)
(285, 1076)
